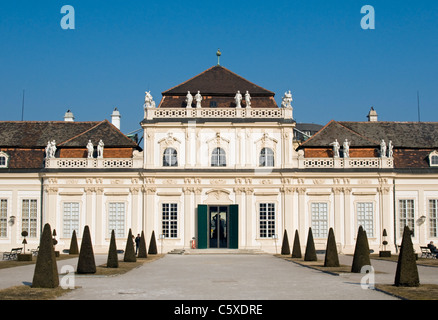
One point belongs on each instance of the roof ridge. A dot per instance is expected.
(187, 80)
(359, 134)
(318, 133)
(72, 138)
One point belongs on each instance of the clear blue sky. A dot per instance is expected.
(316, 49)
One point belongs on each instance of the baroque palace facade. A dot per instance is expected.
(220, 166)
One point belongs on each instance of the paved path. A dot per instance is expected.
(222, 277)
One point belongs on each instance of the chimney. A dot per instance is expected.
(115, 118)
(372, 115)
(68, 117)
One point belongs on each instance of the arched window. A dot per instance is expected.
(266, 158)
(218, 158)
(4, 159)
(170, 158)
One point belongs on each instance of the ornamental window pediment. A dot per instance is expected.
(4, 160)
(169, 149)
(433, 158)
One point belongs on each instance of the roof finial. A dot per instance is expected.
(218, 53)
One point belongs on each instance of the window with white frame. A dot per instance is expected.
(406, 213)
(29, 211)
(4, 159)
(319, 219)
(218, 158)
(365, 217)
(117, 218)
(3, 218)
(70, 218)
(169, 220)
(433, 158)
(267, 220)
(433, 218)
(266, 158)
(170, 157)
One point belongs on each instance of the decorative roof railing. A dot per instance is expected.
(346, 163)
(269, 113)
(93, 163)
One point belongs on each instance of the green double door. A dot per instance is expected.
(218, 226)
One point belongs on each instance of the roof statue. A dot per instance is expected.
(238, 99)
(346, 149)
(336, 147)
(198, 99)
(90, 149)
(51, 149)
(189, 99)
(390, 149)
(248, 99)
(383, 148)
(286, 101)
(148, 100)
(100, 149)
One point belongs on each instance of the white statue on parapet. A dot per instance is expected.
(238, 99)
(247, 99)
(149, 100)
(198, 99)
(286, 101)
(336, 147)
(50, 149)
(90, 149)
(100, 149)
(189, 99)
(346, 149)
(390, 149)
(383, 148)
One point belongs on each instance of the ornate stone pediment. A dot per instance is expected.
(218, 196)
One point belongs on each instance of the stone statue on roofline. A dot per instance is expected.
(90, 149)
(383, 149)
(390, 149)
(100, 149)
(247, 99)
(286, 101)
(148, 100)
(189, 99)
(346, 149)
(198, 99)
(50, 149)
(336, 147)
(238, 99)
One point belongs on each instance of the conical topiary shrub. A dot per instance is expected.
(74, 248)
(407, 271)
(285, 249)
(296, 249)
(153, 244)
(142, 252)
(113, 259)
(86, 262)
(46, 270)
(310, 254)
(129, 255)
(361, 256)
(331, 252)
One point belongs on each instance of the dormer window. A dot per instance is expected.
(433, 159)
(4, 160)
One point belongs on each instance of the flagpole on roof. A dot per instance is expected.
(22, 108)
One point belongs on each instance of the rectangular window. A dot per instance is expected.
(406, 214)
(267, 220)
(433, 218)
(170, 220)
(116, 219)
(3, 218)
(319, 219)
(365, 217)
(29, 217)
(70, 218)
